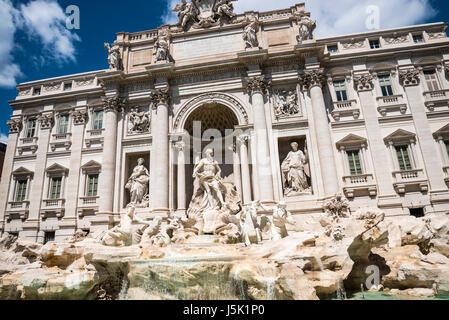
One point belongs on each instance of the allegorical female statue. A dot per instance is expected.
(139, 183)
(293, 169)
(250, 34)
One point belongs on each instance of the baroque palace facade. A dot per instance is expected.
(365, 115)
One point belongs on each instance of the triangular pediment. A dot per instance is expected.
(400, 135)
(22, 172)
(352, 140)
(56, 168)
(91, 166)
(443, 132)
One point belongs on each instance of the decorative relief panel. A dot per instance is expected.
(396, 39)
(286, 103)
(139, 120)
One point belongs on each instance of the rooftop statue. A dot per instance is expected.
(204, 13)
(114, 57)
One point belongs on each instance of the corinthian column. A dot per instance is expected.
(107, 179)
(181, 185)
(313, 80)
(159, 183)
(257, 87)
(246, 177)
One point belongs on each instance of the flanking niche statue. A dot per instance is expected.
(215, 202)
(295, 172)
(138, 185)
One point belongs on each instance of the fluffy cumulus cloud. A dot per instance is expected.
(8, 70)
(342, 16)
(44, 21)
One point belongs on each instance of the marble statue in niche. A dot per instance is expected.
(114, 58)
(250, 34)
(138, 185)
(215, 203)
(139, 121)
(211, 183)
(294, 171)
(286, 103)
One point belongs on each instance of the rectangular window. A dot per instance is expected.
(55, 188)
(98, 120)
(68, 86)
(36, 91)
(340, 90)
(404, 159)
(432, 80)
(49, 237)
(31, 128)
(355, 165)
(63, 124)
(332, 49)
(418, 38)
(21, 190)
(385, 85)
(374, 44)
(92, 185)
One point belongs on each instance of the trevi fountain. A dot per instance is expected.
(352, 202)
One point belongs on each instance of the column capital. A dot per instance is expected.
(46, 121)
(312, 78)
(364, 82)
(160, 97)
(180, 146)
(79, 117)
(115, 104)
(257, 84)
(243, 138)
(15, 125)
(410, 77)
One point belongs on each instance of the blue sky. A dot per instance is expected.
(34, 43)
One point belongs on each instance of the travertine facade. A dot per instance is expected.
(365, 115)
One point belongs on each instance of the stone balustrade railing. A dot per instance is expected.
(360, 179)
(54, 203)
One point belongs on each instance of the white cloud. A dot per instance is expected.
(3, 138)
(44, 20)
(9, 71)
(342, 16)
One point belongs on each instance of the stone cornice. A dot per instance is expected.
(258, 84)
(312, 78)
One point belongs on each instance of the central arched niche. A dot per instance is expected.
(211, 116)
